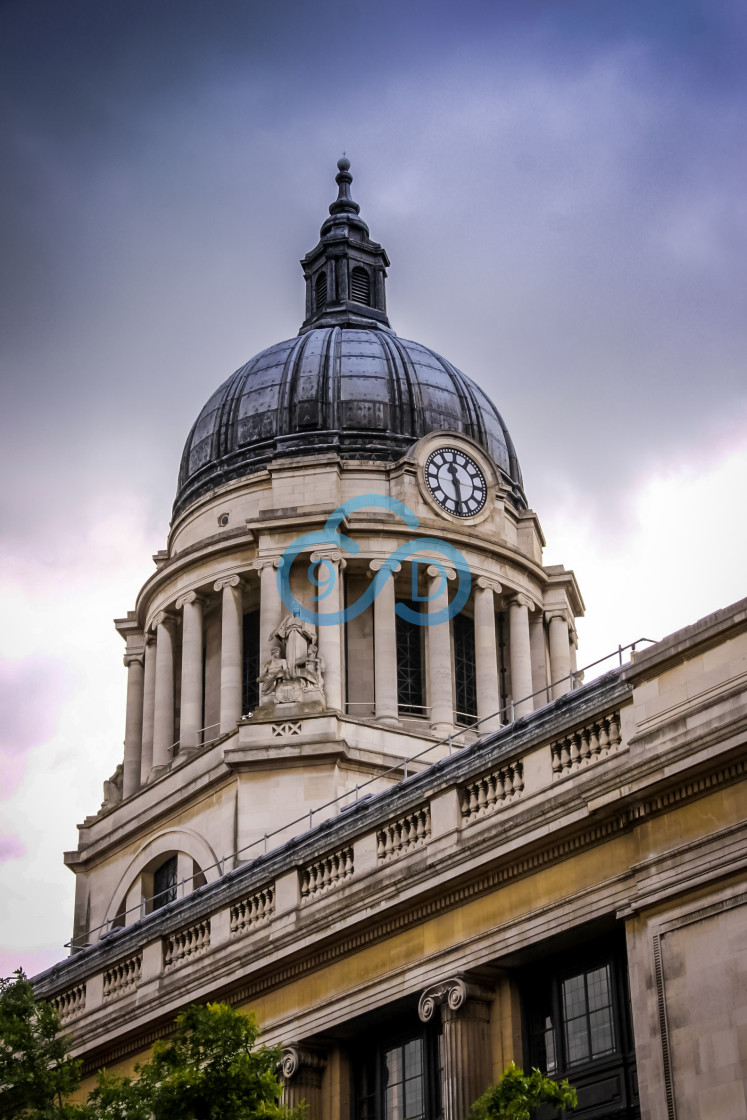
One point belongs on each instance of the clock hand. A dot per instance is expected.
(452, 469)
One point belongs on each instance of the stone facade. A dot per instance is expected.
(417, 852)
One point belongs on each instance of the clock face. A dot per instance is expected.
(456, 482)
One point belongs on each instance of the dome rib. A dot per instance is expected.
(361, 392)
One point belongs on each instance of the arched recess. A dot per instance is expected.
(172, 840)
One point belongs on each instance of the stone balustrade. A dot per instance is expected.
(326, 874)
(490, 791)
(431, 820)
(71, 1003)
(122, 977)
(253, 911)
(186, 944)
(402, 836)
(585, 745)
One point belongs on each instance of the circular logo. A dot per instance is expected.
(456, 482)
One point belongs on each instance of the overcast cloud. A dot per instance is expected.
(561, 190)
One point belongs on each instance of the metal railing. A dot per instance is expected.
(119, 921)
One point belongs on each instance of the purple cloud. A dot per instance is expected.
(31, 692)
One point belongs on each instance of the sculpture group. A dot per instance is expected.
(294, 670)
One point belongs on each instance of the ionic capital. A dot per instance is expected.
(559, 612)
(377, 565)
(521, 601)
(226, 581)
(489, 584)
(296, 1058)
(133, 659)
(163, 618)
(433, 570)
(190, 597)
(452, 993)
(333, 555)
(263, 562)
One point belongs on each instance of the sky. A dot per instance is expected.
(560, 186)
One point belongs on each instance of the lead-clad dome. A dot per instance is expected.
(346, 384)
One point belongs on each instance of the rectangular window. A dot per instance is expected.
(399, 1080)
(410, 690)
(251, 666)
(464, 668)
(164, 883)
(577, 1021)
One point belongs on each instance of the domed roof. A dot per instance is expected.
(347, 384)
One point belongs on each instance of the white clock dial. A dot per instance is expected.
(456, 482)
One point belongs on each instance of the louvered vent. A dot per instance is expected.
(360, 286)
(321, 290)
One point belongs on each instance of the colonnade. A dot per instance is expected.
(151, 717)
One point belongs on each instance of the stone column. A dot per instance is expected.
(190, 720)
(133, 743)
(330, 637)
(149, 703)
(486, 656)
(302, 1079)
(232, 622)
(385, 650)
(520, 655)
(163, 714)
(560, 653)
(438, 637)
(465, 1018)
(270, 609)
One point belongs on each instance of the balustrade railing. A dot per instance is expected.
(326, 874)
(70, 1003)
(122, 977)
(253, 911)
(489, 792)
(403, 835)
(186, 944)
(585, 745)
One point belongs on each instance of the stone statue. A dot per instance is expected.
(293, 672)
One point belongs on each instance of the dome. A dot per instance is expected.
(346, 384)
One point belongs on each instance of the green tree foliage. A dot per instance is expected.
(518, 1094)
(36, 1071)
(208, 1070)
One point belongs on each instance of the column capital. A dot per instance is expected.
(433, 570)
(377, 565)
(227, 581)
(489, 584)
(558, 612)
(133, 659)
(452, 993)
(334, 555)
(262, 562)
(520, 600)
(296, 1058)
(189, 597)
(163, 618)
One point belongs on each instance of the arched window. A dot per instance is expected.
(321, 290)
(360, 286)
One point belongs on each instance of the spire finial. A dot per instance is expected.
(344, 202)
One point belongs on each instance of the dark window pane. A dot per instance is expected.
(464, 668)
(164, 883)
(251, 666)
(410, 666)
(576, 1041)
(602, 1035)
